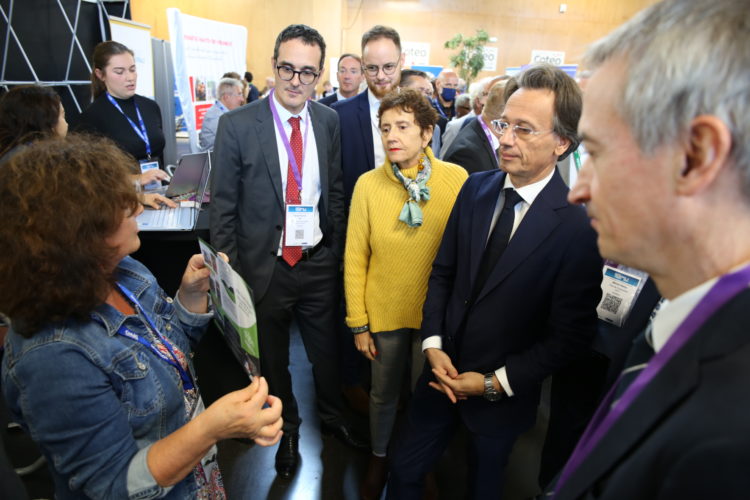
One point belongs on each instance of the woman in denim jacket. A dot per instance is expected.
(97, 364)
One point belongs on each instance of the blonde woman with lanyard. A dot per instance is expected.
(397, 218)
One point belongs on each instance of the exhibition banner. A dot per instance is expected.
(136, 37)
(202, 51)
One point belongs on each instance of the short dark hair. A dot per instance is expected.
(378, 32)
(102, 54)
(308, 35)
(344, 56)
(55, 255)
(248, 77)
(408, 74)
(410, 101)
(568, 99)
(27, 113)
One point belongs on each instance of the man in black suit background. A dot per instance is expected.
(350, 77)
(499, 320)
(278, 158)
(477, 144)
(666, 186)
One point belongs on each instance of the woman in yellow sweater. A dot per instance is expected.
(396, 221)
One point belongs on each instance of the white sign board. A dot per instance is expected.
(136, 37)
(553, 57)
(416, 54)
(202, 51)
(490, 59)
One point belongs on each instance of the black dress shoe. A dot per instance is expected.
(344, 433)
(287, 456)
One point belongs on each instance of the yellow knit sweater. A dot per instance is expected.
(387, 263)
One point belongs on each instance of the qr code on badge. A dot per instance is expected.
(611, 303)
(299, 233)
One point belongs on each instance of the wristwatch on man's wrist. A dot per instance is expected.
(490, 393)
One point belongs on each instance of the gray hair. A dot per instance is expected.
(684, 59)
(227, 85)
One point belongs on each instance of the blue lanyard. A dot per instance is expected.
(439, 108)
(221, 106)
(139, 132)
(187, 382)
(295, 169)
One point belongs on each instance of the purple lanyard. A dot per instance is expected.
(280, 126)
(139, 132)
(724, 290)
(187, 382)
(488, 134)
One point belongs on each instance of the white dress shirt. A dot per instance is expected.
(310, 172)
(377, 142)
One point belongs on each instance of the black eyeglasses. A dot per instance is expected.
(306, 76)
(388, 69)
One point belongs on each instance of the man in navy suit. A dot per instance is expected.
(497, 320)
(361, 147)
(667, 189)
(350, 76)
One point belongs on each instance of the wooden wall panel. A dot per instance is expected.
(520, 26)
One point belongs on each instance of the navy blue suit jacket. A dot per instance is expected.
(329, 99)
(537, 310)
(357, 152)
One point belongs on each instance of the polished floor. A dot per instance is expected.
(328, 470)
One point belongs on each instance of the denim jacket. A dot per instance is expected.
(95, 401)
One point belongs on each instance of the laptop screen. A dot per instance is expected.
(188, 176)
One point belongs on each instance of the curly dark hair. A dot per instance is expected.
(411, 101)
(60, 200)
(27, 113)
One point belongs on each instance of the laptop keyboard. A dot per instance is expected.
(165, 217)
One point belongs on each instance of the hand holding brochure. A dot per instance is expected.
(234, 312)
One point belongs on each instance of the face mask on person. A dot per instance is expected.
(448, 94)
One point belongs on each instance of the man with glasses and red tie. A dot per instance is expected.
(512, 295)
(361, 147)
(277, 211)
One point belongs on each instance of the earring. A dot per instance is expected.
(421, 161)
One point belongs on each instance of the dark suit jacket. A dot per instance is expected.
(537, 310)
(357, 153)
(471, 150)
(329, 99)
(247, 204)
(688, 433)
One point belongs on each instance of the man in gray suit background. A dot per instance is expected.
(230, 97)
(278, 171)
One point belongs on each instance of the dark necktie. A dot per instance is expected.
(292, 255)
(498, 240)
(640, 353)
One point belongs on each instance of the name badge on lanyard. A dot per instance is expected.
(145, 167)
(621, 286)
(299, 218)
(300, 223)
